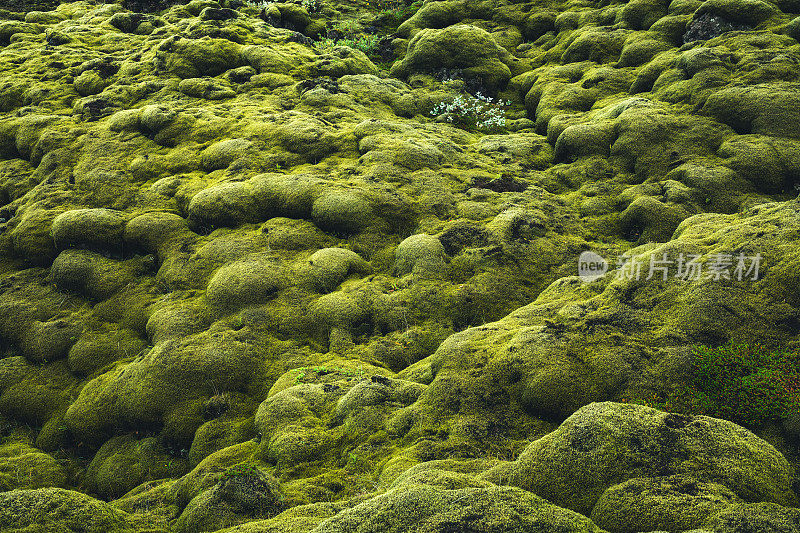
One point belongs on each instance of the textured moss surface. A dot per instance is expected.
(253, 278)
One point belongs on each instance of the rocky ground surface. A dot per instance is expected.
(277, 268)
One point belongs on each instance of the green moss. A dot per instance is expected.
(59, 509)
(612, 438)
(669, 503)
(25, 467)
(243, 493)
(464, 47)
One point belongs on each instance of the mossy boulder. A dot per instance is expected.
(749, 12)
(599, 46)
(443, 14)
(288, 195)
(671, 503)
(243, 493)
(467, 48)
(606, 442)
(647, 219)
(221, 154)
(208, 89)
(433, 507)
(124, 462)
(225, 204)
(89, 82)
(195, 58)
(329, 267)
(61, 510)
(754, 517)
(33, 392)
(295, 234)
(49, 340)
(341, 212)
(761, 109)
(30, 236)
(157, 232)
(25, 467)
(165, 387)
(95, 349)
(252, 280)
(93, 229)
(93, 275)
(770, 164)
(421, 254)
(641, 14)
(343, 61)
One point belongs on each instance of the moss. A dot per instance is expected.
(598, 46)
(760, 110)
(222, 154)
(589, 432)
(770, 164)
(464, 47)
(61, 509)
(205, 88)
(125, 462)
(25, 467)
(341, 212)
(30, 236)
(193, 58)
(245, 282)
(749, 384)
(750, 12)
(294, 234)
(669, 503)
(92, 275)
(236, 266)
(435, 507)
(329, 267)
(641, 14)
(226, 204)
(94, 229)
(38, 393)
(754, 516)
(423, 254)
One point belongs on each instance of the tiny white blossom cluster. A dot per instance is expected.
(312, 6)
(260, 4)
(479, 111)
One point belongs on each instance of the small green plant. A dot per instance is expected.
(347, 26)
(240, 470)
(744, 383)
(478, 112)
(366, 43)
(321, 370)
(312, 6)
(396, 10)
(259, 4)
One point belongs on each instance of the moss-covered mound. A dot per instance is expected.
(312, 265)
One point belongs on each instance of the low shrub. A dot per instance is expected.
(745, 383)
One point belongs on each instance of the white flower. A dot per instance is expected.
(479, 110)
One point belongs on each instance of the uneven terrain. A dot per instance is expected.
(255, 276)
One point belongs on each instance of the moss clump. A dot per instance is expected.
(670, 503)
(243, 493)
(61, 510)
(468, 48)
